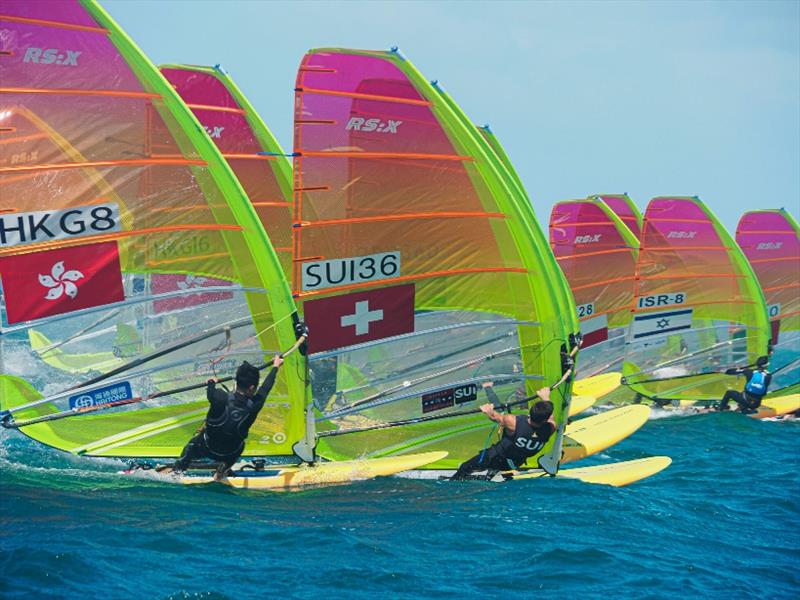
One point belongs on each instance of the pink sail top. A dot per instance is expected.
(771, 242)
(624, 208)
(226, 122)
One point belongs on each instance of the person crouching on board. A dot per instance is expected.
(522, 436)
(229, 418)
(758, 381)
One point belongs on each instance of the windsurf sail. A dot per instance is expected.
(247, 145)
(413, 266)
(770, 239)
(124, 226)
(597, 253)
(625, 209)
(697, 308)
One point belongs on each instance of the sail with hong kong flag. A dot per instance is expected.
(133, 265)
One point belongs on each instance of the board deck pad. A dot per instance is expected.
(594, 434)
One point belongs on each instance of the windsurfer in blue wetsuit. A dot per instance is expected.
(758, 381)
(229, 418)
(522, 436)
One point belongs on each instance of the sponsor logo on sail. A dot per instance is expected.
(769, 246)
(588, 239)
(376, 125)
(110, 394)
(682, 235)
(214, 132)
(52, 56)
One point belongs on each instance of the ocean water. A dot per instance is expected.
(722, 522)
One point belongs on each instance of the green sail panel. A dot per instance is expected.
(128, 237)
(414, 266)
(698, 309)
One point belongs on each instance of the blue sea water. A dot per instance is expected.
(722, 522)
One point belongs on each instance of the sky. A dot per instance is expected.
(649, 98)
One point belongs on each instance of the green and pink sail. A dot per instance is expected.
(698, 309)
(597, 253)
(770, 239)
(625, 209)
(413, 265)
(120, 215)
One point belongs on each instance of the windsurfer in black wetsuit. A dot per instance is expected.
(758, 381)
(523, 436)
(229, 418)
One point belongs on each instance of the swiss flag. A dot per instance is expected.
(339, 321)
(43, 284)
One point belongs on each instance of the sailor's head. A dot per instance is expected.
(540, 412)
(762, 362)
(246, 378)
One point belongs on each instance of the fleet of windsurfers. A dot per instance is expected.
(522, 436)
(756, 386)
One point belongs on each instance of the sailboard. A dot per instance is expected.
(597, 253)
(594, 434)
(139, 223)
(698, 309)
(288, 477)
(413, 267)
(770, 239)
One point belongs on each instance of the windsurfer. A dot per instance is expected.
(522, 437)
(229, 418)
(758, 381)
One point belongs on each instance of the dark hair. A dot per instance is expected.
(246, 375)
(762, 361)
(541, 411)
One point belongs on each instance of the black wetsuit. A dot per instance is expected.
(228, 421)
(511, 451)
(748, 403)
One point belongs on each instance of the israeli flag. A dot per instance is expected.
(663, 323)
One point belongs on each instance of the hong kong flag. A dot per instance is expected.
(43, 284)
(359, 317)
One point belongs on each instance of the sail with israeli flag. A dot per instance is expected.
(770, 239)
(133, 265)
(413, 267)
(697, 307)
(597, 253)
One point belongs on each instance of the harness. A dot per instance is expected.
(757, 386)
(229, 423)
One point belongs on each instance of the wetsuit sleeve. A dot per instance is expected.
(214, 395)
(266, 387)
(490, 394)
(748, 373)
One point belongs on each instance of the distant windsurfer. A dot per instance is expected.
(229, 418)
(758, 381)
(522, 436)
